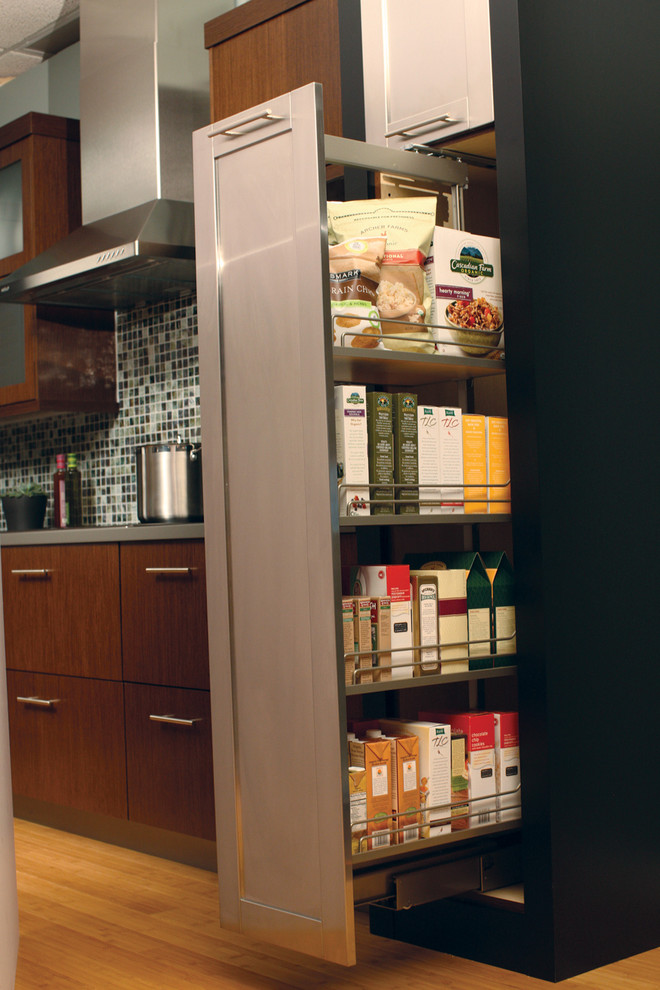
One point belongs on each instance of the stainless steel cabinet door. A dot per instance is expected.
(271, 527)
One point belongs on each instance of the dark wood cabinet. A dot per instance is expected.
(163, 607)
(67, 741)
(169, 761)
(61, 609)
(268, 47)
(53, 358)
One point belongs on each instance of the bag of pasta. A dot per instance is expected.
(403, 297)
(355, 267)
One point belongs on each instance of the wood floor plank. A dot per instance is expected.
(97, 917)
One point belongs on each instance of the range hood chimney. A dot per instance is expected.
(144, 88)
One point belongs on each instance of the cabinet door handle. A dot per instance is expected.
(169, 570)
(41, 702)
(445, 119)
(174, 720)
(35, 572)
(233, 131)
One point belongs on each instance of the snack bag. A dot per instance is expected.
(403, 295)
(355, 268)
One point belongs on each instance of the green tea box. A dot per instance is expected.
(406, 464)
(381, 452)
(352, 449)
(500, 572)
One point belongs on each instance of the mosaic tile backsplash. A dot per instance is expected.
(158, 391)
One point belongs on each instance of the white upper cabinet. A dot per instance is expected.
(427, 70)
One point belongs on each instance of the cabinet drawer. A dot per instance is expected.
(170, 766)
(67, 741)
(163, 610)
(61, 606)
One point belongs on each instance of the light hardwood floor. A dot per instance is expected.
(97, 917)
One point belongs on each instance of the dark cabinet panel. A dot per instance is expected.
(170, 773)
(163, 607)
(61, 609)
(67, 741)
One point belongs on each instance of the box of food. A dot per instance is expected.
(479, 729)
(500, 573)
(424, 595)
(498, 471)
(465, 282)
(392, 581)
(440, 459)
(475, 471)
(434, 747)
(362, 640)
(352, 449)
(406, 462)
(374, 756)
(348, 638)
(381, 452)
(405, 786)
(460, 811)
(507, 765)
(357, 802)
(381, 637)
(452, 616)
(479, 605)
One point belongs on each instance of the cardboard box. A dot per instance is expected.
(479, 729)
(497, 464)
(424, 595)
(406, 465)
(348, 636)
(440, 457)
(405, 786)
(375, 757)
(459, 782)
(460, 269)
(352, 449)
(357, 801)
(452, 617)
(500, 574)
(362, 639)
(392, 581)
(479, 605)
(434, 747)
(381, 637)
(507, 765)
(381, 452)
(475, 473)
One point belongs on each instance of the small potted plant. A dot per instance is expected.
(24, 507)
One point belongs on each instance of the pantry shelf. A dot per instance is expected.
(450, 519)
(354, 366)
(428, 679)
(406, 849)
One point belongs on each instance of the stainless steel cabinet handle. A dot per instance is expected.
(173, 720)
(233, 132)
(445, 119)
(42, 702)
(168, 570)
(36, 572)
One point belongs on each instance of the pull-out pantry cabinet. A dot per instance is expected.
(275, 543)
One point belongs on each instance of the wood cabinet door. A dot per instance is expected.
(163, 609)
(67, 741)
(61, 606)
(169, 759)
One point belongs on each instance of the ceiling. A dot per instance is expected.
(33, 30)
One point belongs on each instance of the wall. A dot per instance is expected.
(51, 87)
(158, 391)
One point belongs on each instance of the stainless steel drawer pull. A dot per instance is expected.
(169, 570)
(233, 131)
(174, 720)
(42, 702)
(36, 572)
(445, 119)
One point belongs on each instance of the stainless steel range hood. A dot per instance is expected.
(144, 88)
